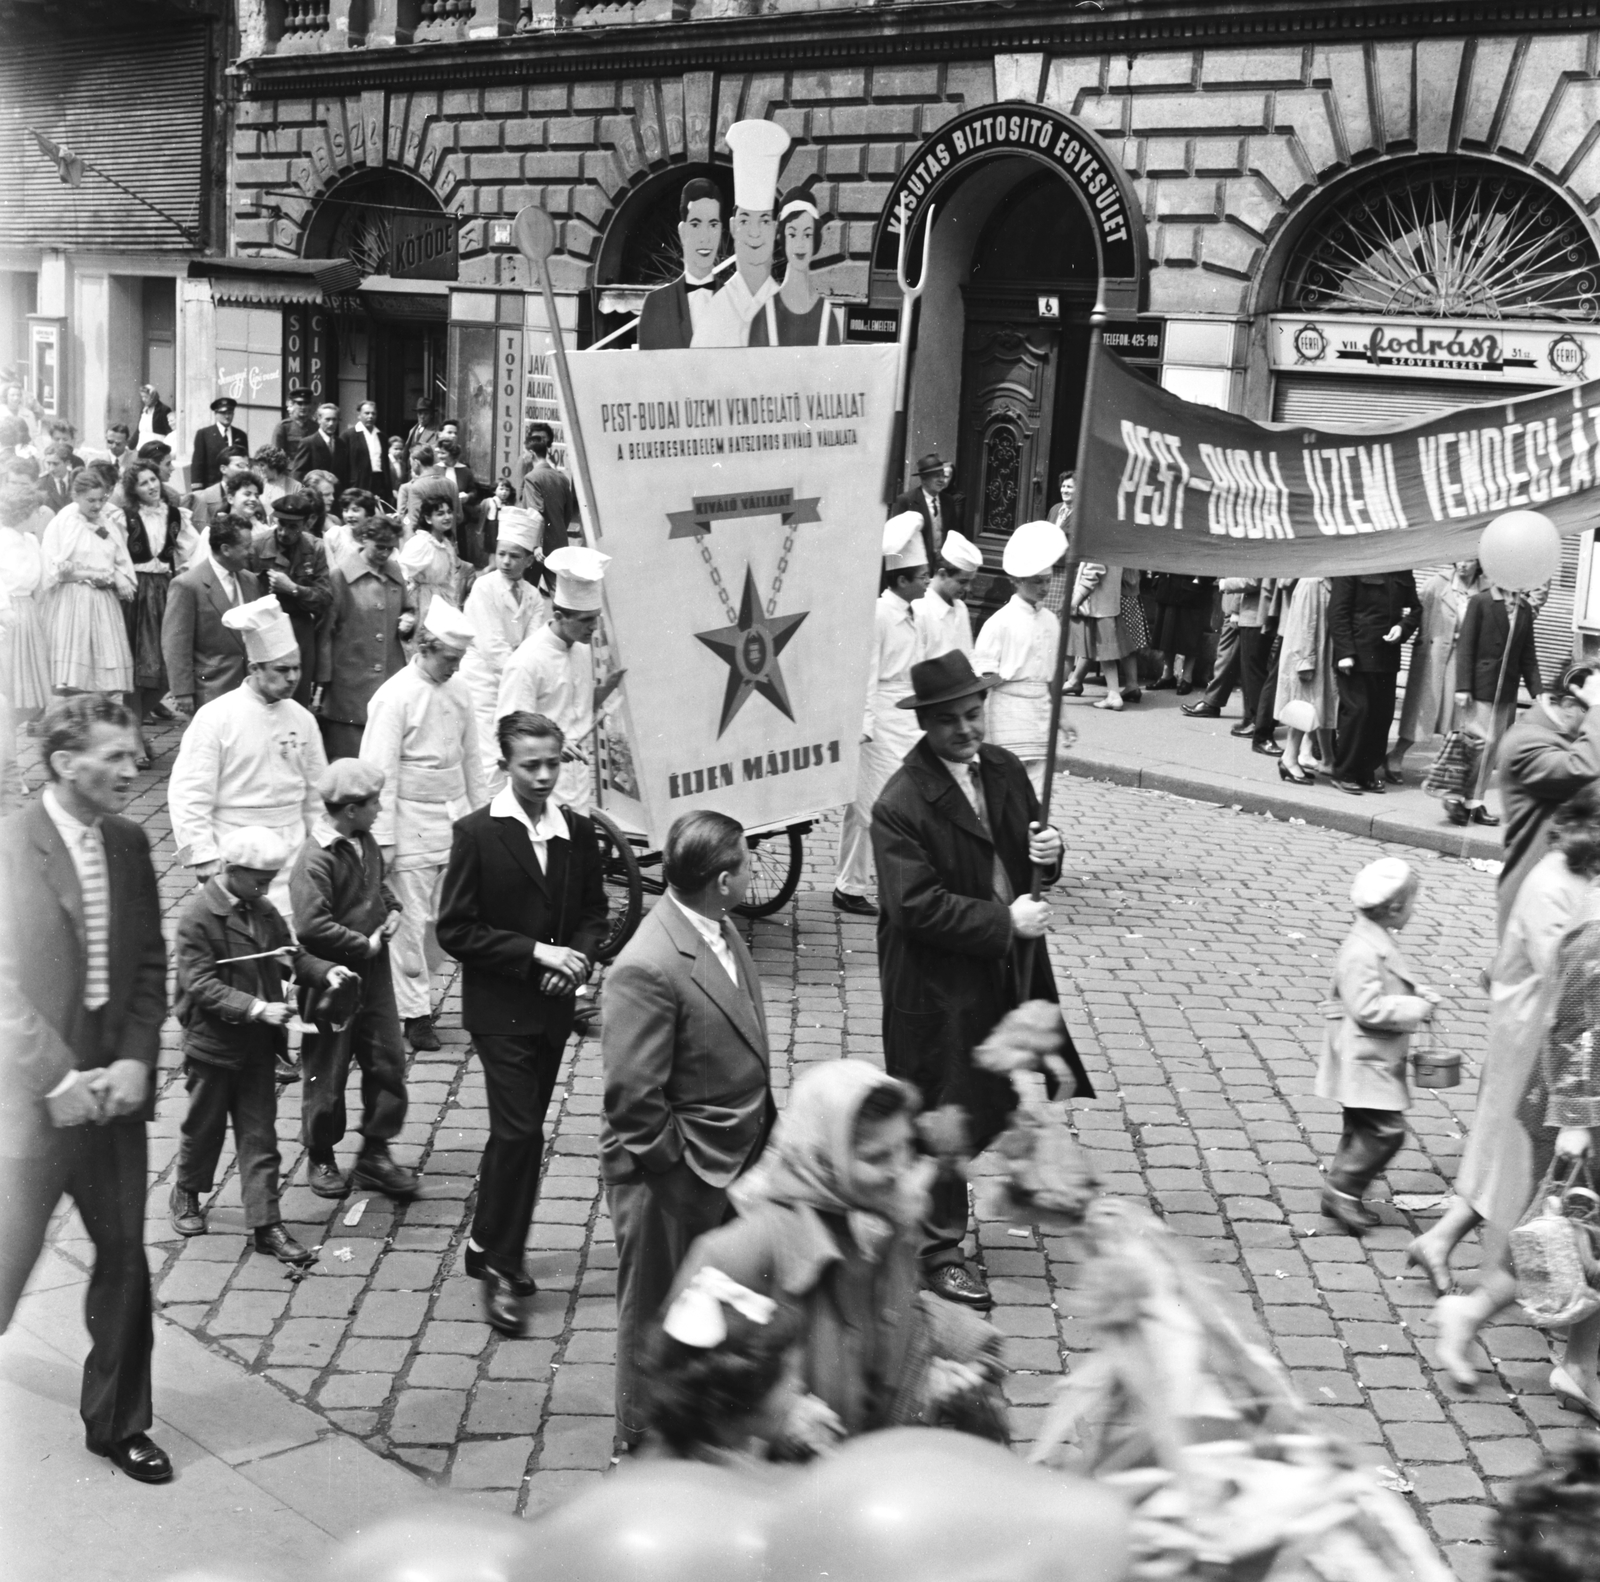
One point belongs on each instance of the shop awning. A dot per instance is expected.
(240, 278)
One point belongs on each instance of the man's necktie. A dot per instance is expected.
(96, 920)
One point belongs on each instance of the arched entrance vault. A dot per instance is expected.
(1032, 220)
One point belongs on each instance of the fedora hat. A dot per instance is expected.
(932, 462)
(945, 679)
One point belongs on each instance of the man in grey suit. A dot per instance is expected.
(204, 658)
(549, 491)
(688, 1095)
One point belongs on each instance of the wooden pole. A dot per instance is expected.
(1097, 321)
(894, 470)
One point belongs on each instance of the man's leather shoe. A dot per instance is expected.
(1376, 787)
(1481, 815)
(1347, 785)
(1201, 710)
(955, 1282)
(858, 904)
(420, 1034)
(139, 1456)
(520, 1281)
(376, 1170)
(1244, 728)
(183, 1209)
(284, 1072)
(501, 1305)
(277, 1243)
(326, 1179)
(1267, 749)
(1456, 810)
(1350, 1213)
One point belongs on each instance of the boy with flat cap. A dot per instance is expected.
(346, 914)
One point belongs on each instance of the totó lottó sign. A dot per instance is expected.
(1166, 485)
(737, 494)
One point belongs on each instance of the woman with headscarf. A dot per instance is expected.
(829, 1227)
(799, 315)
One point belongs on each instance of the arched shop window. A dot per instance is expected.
(1431, 284)
(1449, 241)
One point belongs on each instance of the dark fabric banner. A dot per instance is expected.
(1165, 485)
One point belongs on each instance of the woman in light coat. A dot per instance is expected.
(1305, 675)
(1096, 632)
(1429, 707)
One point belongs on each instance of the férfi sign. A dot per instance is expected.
(1170, 486)
(1486, 349)
(737, 494)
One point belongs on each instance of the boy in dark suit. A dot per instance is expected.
(346, 914)
(232, 950)
(523, 909)
(83, 993)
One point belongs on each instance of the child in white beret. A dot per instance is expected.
(1377, 1005)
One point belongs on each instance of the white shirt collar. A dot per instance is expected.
(713, 935)
(72, 829)
(551, 824)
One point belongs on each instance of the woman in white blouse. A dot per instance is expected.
(24, 649)
(88, 575)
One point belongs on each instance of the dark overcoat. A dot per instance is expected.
(1362, 609)
(947, 959)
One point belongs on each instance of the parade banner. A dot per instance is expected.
(1166, 485)
(736, 491)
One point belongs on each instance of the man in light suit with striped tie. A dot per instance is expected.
(82, 997)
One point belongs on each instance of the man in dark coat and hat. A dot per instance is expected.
(957, 834)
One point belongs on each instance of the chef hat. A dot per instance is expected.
(256, 847)
(447, 623)
(903, 549)
(266, 630)
(349, 780)
(1033, 549)
(519, 528)
(961, 553)
(758, 149)
(578, 572)
(1380, 882)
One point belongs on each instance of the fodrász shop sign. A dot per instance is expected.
(1486, 349)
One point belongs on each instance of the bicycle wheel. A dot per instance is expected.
(624, 886)
(775, 862)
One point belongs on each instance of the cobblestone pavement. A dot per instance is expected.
(1193, 945)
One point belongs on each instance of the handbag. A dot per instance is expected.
(1451, 773)
(1553, 1249)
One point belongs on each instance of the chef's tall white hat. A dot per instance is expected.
(267, 632)
(578, 572)
(960, 552)
(1033, 549)
(903, 549)
(758, 149)
(518, 527)
(447, 623)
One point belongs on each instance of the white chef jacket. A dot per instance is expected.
(547, 677)
(243, 761)
(1018, 642)
(501, 617)
(728, 317)
(896, 647)
(421, 734)
(945, 628)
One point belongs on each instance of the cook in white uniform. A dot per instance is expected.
(252, 756)
(1018, 643)
(888, 732)
(420, 733)
(552, 673)
(943, 619)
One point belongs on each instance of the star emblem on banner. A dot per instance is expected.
(750, 650)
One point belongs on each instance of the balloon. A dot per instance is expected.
(929, 1505)
(1520, 550)
(440, 1543)
(1299, 715)
(659, 1521)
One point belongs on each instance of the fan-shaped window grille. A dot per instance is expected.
(356, 219)
(1452, 241)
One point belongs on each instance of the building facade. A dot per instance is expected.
(112, 159)
(1360, 212)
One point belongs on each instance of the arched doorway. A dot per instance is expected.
(391, 334)
(1427, 284)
